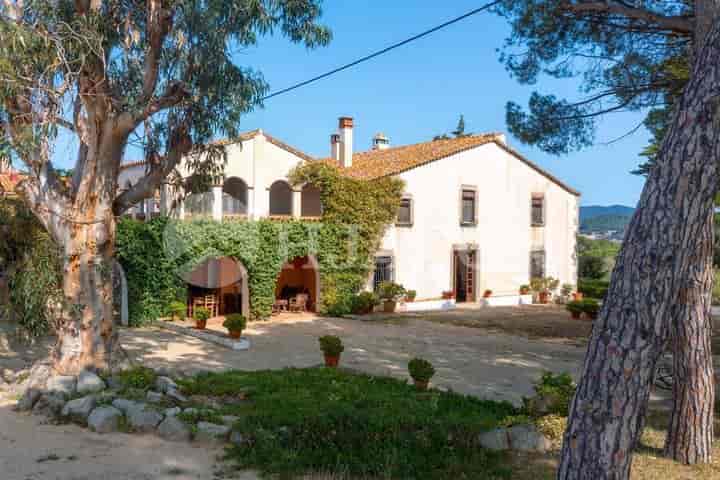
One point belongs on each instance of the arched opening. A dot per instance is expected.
(298, 286)
(199, 203)
(311, 204)
(235, 197)
(281, 196)
(219, 284)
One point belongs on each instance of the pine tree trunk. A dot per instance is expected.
(656, 270)
(690, 434)
(85, 334)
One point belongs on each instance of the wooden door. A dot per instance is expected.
(464, 275)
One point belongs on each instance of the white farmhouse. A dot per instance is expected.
(475, 216)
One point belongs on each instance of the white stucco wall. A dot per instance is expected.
(504, 237)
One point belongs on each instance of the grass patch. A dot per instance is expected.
(301, 421)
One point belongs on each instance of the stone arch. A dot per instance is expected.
(300, 275)
(281, 198)
(225, 278)
(310, 201)
(235, 196)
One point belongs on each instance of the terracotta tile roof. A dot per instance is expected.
(392, 161)
(242, 138)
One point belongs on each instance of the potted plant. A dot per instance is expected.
(544, 286)
(364, 303)
(331, 347)
(201, 315)
(389, 293)
(524, 289)
(448, 295)
(591, 308)
(177, 310)
(410, 296)
(487, 293)
(235, 323)
(421, 372)
(566, 290)
(575, 308)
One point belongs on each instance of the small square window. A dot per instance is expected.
(537, 211)
(468, 207)
(405, 213)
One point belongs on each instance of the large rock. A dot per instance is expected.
(176, 395)
(79, 409)
(495, 439)
(154, 397)
(49, 404)
(89, 382)
(141, 418)
(211, 432)
(163, 384)
(28, 399)
(62, 384)
(173, 412)
(174, 429)
(104, 419)
(527, 438)
(123, 404)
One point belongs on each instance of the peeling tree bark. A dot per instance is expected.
(659, 267)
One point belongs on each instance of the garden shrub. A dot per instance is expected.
(421, 370)
(331, 345)
(593, 288)
(141, 378)
(364, 302)
(554, 392)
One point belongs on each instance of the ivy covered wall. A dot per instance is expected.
(155, 254)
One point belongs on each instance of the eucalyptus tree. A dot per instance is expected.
(157, 74)
(628, 56)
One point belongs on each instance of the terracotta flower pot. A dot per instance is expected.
(421, 385)
(389, 306)
(234, 334)
(332, 360)
(200, 324)
(543, 297)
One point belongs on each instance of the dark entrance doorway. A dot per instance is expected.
(464, 275)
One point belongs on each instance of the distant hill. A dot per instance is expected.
(597, 218)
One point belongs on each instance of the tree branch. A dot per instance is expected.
(676, 24)
(159, 22)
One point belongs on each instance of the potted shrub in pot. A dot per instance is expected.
(524, 289)
(575, 308)
(410, 296)
(566, 291)
(544, 286)
(421, 372)
(235, 323)
(177, 310)
(389, 293)
(364, 303)
(331, 347)
(591, 308)
(201, 315)
(448, 295)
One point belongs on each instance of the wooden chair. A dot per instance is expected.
(211, 304)
(299, 303)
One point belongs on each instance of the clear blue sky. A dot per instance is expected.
(419, 90)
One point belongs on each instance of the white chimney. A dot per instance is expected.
(501, 138)
(380, 142)
(335, 147)
(346, 139)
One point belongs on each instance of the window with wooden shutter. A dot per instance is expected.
(537, 264)
(405, 213)
(468, 207)
(537, 211)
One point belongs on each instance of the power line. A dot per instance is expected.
(383, 51)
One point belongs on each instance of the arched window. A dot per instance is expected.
(311, 205)
(280, 198)
(199, 203)
(235, 195)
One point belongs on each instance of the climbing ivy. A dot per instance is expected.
(156, 254)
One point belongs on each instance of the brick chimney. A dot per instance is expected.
(346, 141)
(335, 146)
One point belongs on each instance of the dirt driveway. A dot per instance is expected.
(473, 361)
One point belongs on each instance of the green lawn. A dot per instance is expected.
(360, 426)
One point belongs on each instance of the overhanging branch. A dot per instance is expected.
(677, 24)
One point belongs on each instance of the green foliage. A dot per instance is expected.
(593, 288)
(574, 306)
(554, 392)
(33, 264)
(459, 131)
(544, 284)
(201, 314)
(301, 421)
(140, 378)
(421, 370)
(235, 322)
(331, 345)
(590, 307)
(177, 309)
(364, 302)
(591, 267)
(604, 223)
(566, 289)
(596, 258)
(410, 295)
(390, 291)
